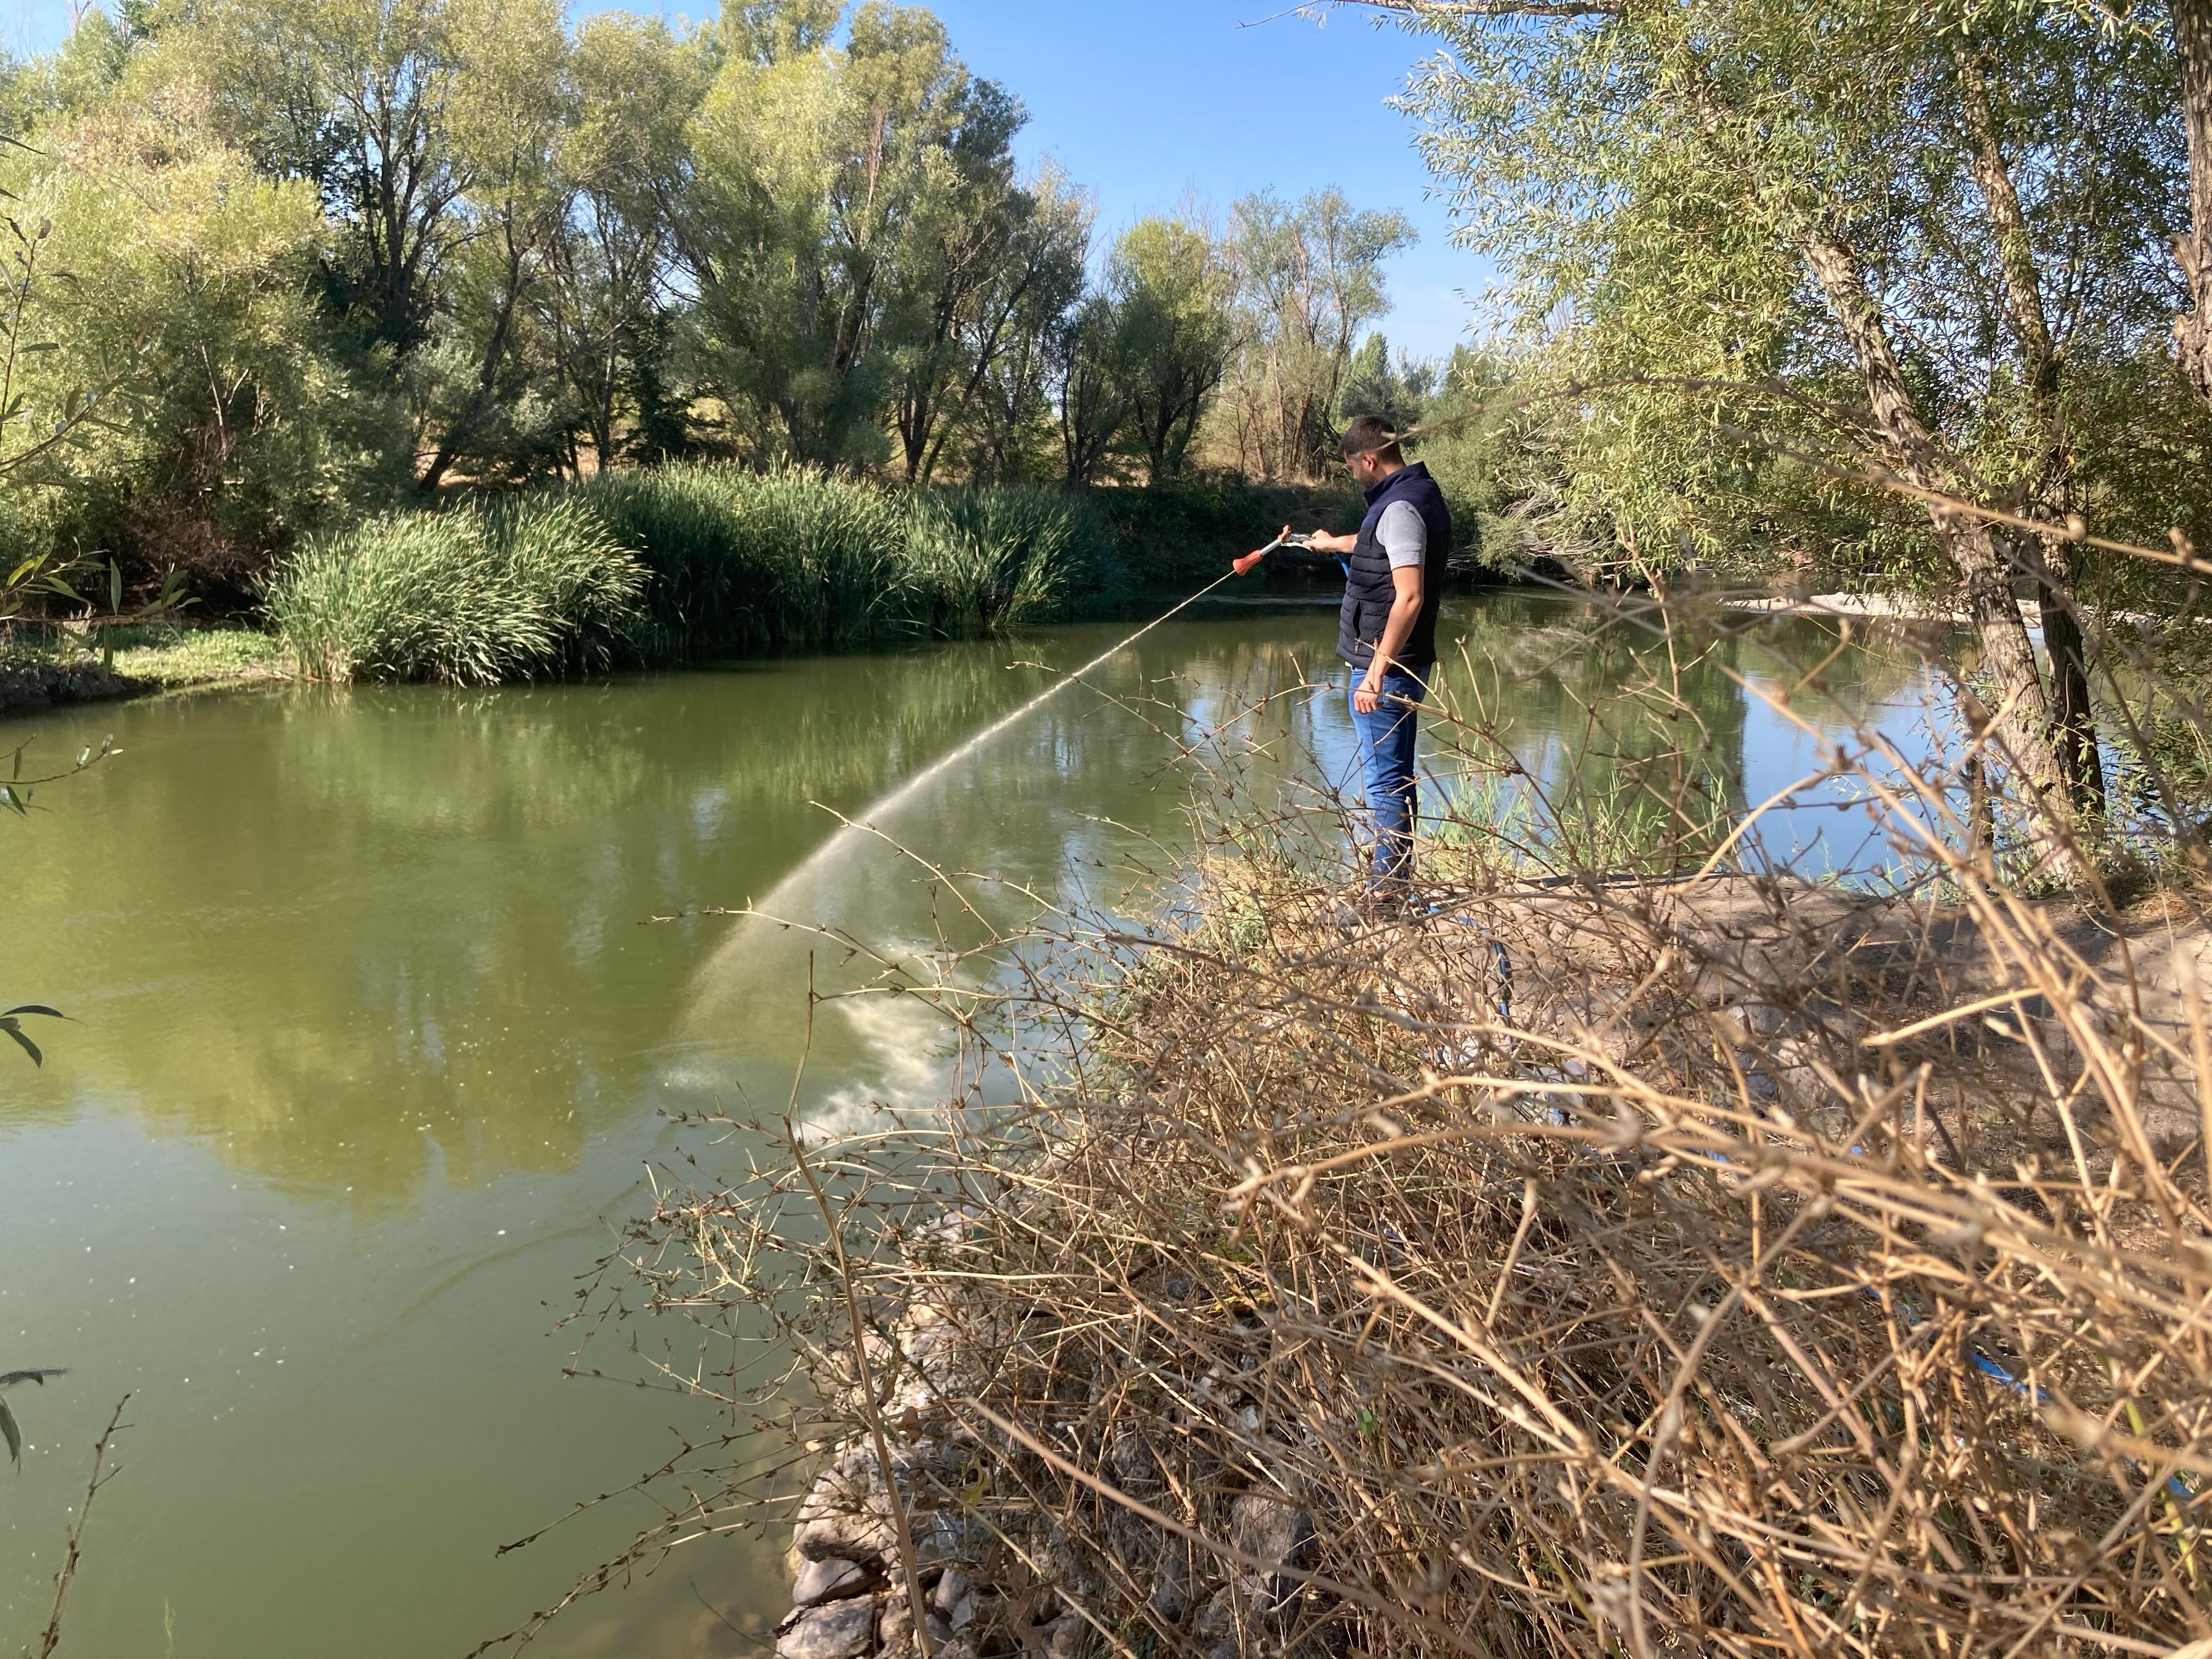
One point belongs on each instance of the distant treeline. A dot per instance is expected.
(282, 265)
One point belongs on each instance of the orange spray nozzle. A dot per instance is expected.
(1243, 567)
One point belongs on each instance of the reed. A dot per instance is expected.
(521, 590)
(745, 562)
(1001, 556)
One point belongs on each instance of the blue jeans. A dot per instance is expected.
(1385, 766)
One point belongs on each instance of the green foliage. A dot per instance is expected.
(467, 597)
(207, 414)
(1177, 535)
(323, 258)
(1655, 184)
(1309, 281)
(745, 562)
(1171, 291)
(679, 564)
(1001, 557)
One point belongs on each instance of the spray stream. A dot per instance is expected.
(865, 822)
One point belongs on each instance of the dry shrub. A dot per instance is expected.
(1720, 1261)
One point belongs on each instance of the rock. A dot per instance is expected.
(943, 1538)
(897, 1629)
(844, 1515)
(835, 1579)
(839, 1629)
(954, 1598)
(865, 1538)
(1271, 1531)
(1216, 1619)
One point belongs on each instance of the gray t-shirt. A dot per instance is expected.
(1404, 536)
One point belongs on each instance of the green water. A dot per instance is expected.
(375, 1044)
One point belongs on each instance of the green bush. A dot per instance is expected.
(1175, 535)
(470, 596)
(749, 562)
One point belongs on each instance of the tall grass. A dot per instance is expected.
(999, 556)
(746, 561)
(679, 564)
(470, 596)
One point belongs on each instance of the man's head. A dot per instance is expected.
(1370, 450)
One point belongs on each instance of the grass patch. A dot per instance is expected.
(175, 657)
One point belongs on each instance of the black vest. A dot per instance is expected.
(1369, 591)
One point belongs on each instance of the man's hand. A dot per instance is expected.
(1321, 543)
(1405, 610)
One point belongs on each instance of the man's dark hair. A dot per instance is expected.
(1369, 436)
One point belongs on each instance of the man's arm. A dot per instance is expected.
(1404, 611)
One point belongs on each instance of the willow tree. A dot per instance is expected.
(1171, 293)
(848, 219)
(2192, 247)
(1309, 281)
(1779, 245)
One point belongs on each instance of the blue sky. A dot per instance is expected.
(1152, 103)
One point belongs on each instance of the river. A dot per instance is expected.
(375, 1039)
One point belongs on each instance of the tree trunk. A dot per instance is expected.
(2023, 722)
(2192, 37)
(494, 353)
(2073, 728)
(2073, 720)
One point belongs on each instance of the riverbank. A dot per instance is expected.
(148, 660)
(1497, 1279)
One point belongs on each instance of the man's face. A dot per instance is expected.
(1366, 469)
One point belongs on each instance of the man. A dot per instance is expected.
(1394, 584)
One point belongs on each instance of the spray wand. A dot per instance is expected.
(1243, 567)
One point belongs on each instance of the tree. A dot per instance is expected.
(1171, 293)
(1310, 280)
(509, 111)
(1830, 229)
(990, 268)
(825, 231)
(351, 97)
(1092, 403)
(1013, 339)
(2192, 248)
(626, 163)
(1396, 394)
(230, 419)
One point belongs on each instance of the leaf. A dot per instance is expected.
(29, 1046)
(51, 1013)
(14, 1435)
